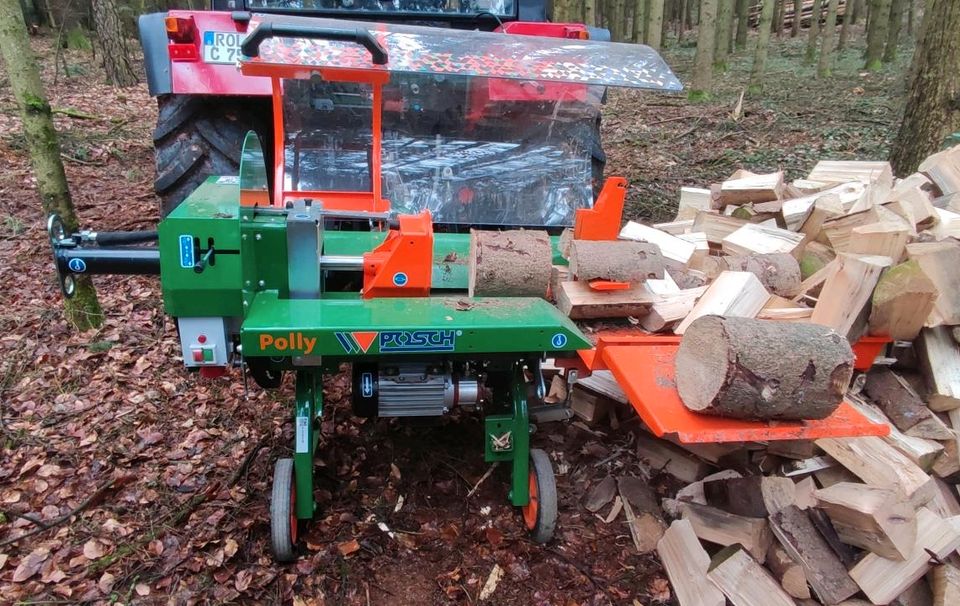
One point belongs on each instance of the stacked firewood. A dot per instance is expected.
(853, 521)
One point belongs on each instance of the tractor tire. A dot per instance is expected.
(199, 136)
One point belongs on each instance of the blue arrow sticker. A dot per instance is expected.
(366, 385)
(77, 266)
(558, 340)
(400, 279)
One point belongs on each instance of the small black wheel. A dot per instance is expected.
(283, 513)
(540, 515)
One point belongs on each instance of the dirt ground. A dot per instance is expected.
(171, 472)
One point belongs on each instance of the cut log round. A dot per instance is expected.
(617, 260)
(778, 272)
(515, 263)
(758, 369)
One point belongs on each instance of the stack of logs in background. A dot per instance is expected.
(853, 521)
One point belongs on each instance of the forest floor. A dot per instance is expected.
(170, 474)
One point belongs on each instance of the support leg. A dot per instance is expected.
(308, 409)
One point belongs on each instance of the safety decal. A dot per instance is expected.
(558, 340)
(77, 266)
(186, 251)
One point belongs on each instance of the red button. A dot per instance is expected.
(198, 355)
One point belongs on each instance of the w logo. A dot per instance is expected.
(356, 342)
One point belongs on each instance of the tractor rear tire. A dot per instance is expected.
(199, 136)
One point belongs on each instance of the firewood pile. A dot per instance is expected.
(846, 252)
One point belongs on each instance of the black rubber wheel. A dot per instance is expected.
(540, 516)
(199, 136)
(283, 519)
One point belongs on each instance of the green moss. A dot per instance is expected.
(33, 104)
(698, 96)
(83, 309)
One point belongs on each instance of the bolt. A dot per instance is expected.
(247, 283)
(246, 304)
(257, 237)
(244, 237)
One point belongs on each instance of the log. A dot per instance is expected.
(578, 301)
(946, 585)
(753, 496)
(733, 294)
(757, 369)
(686, 563)
(883, 579)
(879, 464)
(664, 456)
(717, 526)
(618, 261)
(790, 574)
(901, 404)
(671, 247)
(753, 238)
(744, 581)
(876, 519)
(824, 571)
(514, 263)
(847, 290)
(939, 262)
(902, 302)
(940, 362)
(778, 272)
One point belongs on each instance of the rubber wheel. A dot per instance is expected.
(199, 136)
(283, 516)
(540, 515)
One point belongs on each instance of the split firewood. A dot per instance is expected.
(662, 455)
(761, 239)
(847, 291)
(618, 261)
(686, 564)
(902, 302)
(753, 496)
(815, 257)
(756, 369)
(716, 226)
(671, 247)
(718, 526)
(943, 168)
(748, 187)
(939, 262)
(921, 451)
(514, 263)
(882, 579)
(668, 309)
(578, 301)
(600, 495)
(940, 362)
(876, 519)
(778, 272)
(790, 574)
(903, 406)
(744, 581)
(733, 294)
(843, 171)
(838, 231)
(946, 585)
(824, 571)
(642, 512)
(692, 201)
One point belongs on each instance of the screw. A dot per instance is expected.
(247, 283)
(261, 283)
(257, 236)
(244, 237)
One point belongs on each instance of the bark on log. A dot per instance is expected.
(618, 260)
(757, 369)
(778, 272)
(513, 263)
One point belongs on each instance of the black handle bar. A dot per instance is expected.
(250, 46)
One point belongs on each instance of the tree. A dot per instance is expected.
(781, 18)
(702, 84)
(825, 66)
(722, 42)
(83, 310)
(813, 33)
(897, 8)
(743, 23)
(797, 17)
(590, 12)
(639, 20)
(113, 43)
(877, 25)
(777, 9)
(760, 53)
(932, 111)
(848, 16)
(654, 27)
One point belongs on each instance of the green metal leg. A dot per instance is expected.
(520, 492)
(308, 408)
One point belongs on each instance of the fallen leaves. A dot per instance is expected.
(93, 550)
(349, 547)
(30, 565)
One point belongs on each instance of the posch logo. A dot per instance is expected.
(398, 341)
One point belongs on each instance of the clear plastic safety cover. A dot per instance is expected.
(502, 8)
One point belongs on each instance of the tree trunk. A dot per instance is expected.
(639, 19)
(911, 15)
(759, 369)
(813, 33)
(654, 27)
(113, 43)
(743, 23)
(777, 8)
(590, 12)
(702, 84)
(797, 18)
(877, 26)
(855, 11)
(665, 23)
(781, 18)
(83, 310)
(760, 53)
(932, 111)
(825, 66)
(721, 48)
(893, 30)
(514, 263)
(845, 28)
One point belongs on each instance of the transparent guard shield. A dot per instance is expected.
(254, 186)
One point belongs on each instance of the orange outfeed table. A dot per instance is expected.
(643, 366)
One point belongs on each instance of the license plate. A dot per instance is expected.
(221, 47)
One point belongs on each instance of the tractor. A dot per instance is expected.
(320, 250)
(206, 106)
